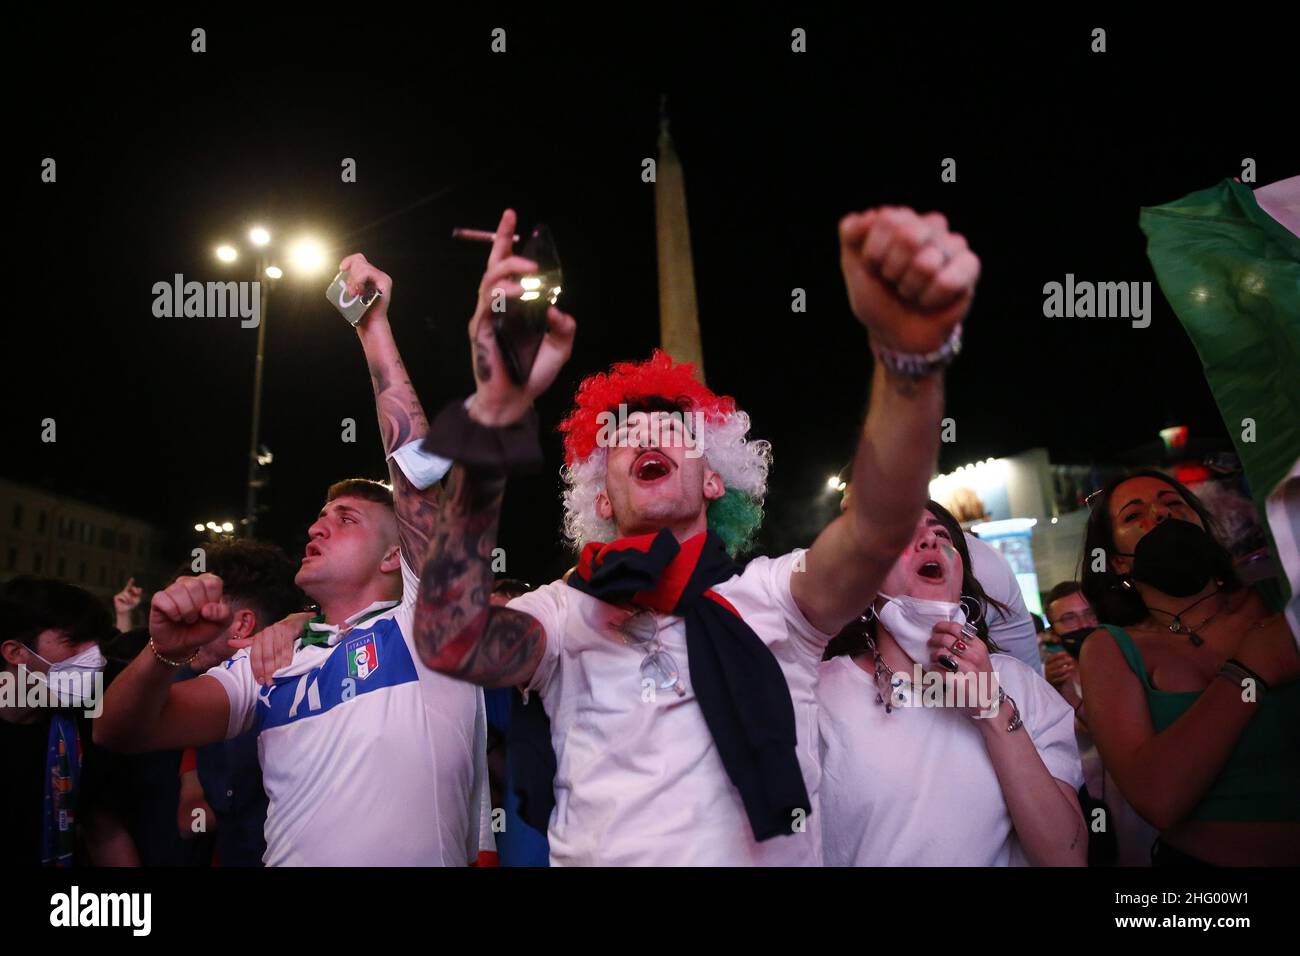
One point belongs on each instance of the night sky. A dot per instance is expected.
(163, 153)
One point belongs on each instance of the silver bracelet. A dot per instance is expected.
(1239, 674)
(1015, 723)
(920, 364)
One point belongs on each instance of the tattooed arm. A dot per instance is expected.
(401, 419)
(457, 631)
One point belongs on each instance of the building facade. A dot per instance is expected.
(55, 536)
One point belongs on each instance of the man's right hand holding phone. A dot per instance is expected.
(498, 401)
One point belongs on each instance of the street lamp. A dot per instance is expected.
(307, 256)
(216, 530)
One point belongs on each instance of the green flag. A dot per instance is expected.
(1232, 274)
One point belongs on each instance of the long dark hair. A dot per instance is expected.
(1114, 600)
(853, 638)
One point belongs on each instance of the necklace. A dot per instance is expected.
(1177, 625)
(900, 685)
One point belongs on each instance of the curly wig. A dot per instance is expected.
(742, 464)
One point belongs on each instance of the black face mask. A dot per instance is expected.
(1072, 641)
(1176, 557)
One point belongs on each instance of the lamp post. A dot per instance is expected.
(307, 257)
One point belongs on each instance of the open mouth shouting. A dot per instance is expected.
(651, 466)
(931, 570)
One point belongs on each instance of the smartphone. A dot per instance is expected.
(521, 325)
(351, 307)
(1049, 649)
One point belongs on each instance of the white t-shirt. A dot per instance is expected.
(1014, 633)
(916, 787)
(368, 757)
(639, 780)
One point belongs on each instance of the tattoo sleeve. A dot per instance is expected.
(457, 630)
(401, 421)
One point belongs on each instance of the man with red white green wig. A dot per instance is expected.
(679, 718)
(660, 403)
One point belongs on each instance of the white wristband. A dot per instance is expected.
(421, 468)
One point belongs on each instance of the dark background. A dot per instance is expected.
(163, 153)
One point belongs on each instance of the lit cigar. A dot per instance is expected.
(477, 235)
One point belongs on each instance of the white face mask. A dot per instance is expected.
(911, 621)
(89, 661)
(74, 693)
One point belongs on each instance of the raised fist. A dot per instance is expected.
(187, 614)
(910, 280)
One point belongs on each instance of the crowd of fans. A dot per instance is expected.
(881, 698)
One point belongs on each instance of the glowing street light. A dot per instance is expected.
(307, 256)
(216, 528)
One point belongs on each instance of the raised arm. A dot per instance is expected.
(124, 602)
(457, 630)
(401, 419)
(910, 282)
(144, 709)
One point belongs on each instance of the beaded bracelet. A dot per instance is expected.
(153, 647)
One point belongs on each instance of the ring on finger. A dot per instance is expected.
(943, 250)
(959, 645)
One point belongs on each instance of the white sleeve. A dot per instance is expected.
(547, 605)
(1013, 632)
(236, 678)
(422, 468)
(1047, 717)
(410, 584)
(779, 573)
(481, 840)
(405, 615)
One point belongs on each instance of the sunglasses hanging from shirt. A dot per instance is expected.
(641, 630)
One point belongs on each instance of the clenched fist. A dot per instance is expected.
(187, 614)
(910, 280)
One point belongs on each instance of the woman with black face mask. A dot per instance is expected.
(1189, 686)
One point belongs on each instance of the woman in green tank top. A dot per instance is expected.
(1190, 688)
